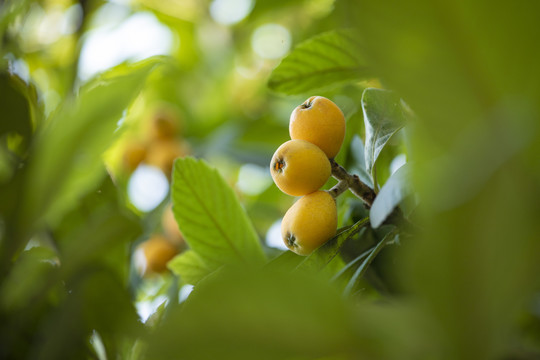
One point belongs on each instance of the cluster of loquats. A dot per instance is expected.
(301, 166)
(160, 144)
(152, 255)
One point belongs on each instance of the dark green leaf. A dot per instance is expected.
(320, 62)
(14, 102)
(98, 230)
(367, 261)
(28, 278)
(98, 302)
(189, 267)
(210, 216)
(394, 191)
(384, 115)
(352, 263)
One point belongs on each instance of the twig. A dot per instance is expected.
(367, 194)
(354, 183)
(339, 188)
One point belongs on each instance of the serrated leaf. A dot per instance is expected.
(66, 161)
(396, 189)
(384, 115)
(211, 218)
(326, 253)
(324, 60)
(189, 267)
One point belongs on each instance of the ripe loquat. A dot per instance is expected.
(310, 222)
(321, 122)
(298, 167)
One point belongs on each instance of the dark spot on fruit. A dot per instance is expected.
(279, 165)
(307, 104)
(291, 240)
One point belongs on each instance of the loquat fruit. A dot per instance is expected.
(298, 167)
(321, 122)
(310, 222)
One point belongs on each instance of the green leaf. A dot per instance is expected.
(211, 218)
(358, 153)
(286, 261)
(67, 159)
(327, 59)
(98, 302)
(367, 261)
(352, 263)
(15, 102)
(475, 267)
(98, 230)
(28, 278)
(396, 189)
(327, 252)
(384, 115)
(257, 315)
(189, 267)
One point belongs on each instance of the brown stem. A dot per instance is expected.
(367, 195)
(354, 183)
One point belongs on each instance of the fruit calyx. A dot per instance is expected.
(307, 104)
(291, 240)
(279, 165)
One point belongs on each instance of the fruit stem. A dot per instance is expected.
(354, 183)
(307, 104)
(339, 188)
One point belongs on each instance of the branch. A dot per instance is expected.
(354, 183)
(367, 194)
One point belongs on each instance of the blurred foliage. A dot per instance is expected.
(451, 89)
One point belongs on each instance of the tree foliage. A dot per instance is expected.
(442, 101)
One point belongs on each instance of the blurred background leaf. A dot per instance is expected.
(454, 65)
(15, 103)
(68, 149)
(274, 315)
